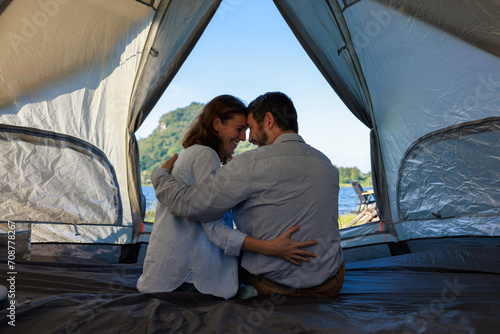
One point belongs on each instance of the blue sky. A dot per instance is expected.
(247, 50)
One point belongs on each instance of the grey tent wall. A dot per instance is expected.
(379, 184)
(475, 22)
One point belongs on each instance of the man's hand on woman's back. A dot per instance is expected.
(169, 163)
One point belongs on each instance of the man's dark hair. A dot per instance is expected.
(280, 106)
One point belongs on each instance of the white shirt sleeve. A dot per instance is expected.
(224, 237)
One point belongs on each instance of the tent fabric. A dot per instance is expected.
(55, 197)
(424, 77)
(475, 23)
(410, 70)
(37, 39)
(77, 80)
(442, 291)
(75, 102)
(415, 78)
(450, 173)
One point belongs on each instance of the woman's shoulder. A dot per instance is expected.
(199, 151)
(194, 161)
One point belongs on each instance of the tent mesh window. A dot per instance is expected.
(454, 172)
(48, 177)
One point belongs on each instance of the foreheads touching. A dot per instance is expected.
(281, 108)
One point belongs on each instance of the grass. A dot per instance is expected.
(364, 185)
(346, 219)
(150, 214)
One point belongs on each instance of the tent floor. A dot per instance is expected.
(453, 290)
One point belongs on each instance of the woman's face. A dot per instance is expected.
(232, 132)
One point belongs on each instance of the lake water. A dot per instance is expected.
(348, 201)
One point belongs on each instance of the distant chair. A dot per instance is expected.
(365, 197)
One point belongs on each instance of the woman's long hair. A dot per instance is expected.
(202, 132)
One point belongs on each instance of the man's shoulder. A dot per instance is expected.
(255, 154)
(295, 148)
(314, 152)
(282, 149)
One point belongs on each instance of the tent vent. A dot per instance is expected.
(437, 215)
(399, 248)
(349, 3)
(153, 52)
(149, 3)
(4, 4)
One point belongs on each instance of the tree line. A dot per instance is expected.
(349, 174)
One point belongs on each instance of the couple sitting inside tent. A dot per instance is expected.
(285, 186)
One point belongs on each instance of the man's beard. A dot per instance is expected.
(261, 137)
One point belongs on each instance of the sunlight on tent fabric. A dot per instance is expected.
(41, 44)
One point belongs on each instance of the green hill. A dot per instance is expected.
(166, 139)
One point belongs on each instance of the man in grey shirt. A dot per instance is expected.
(283, 183)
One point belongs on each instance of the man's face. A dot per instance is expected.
(257, 134)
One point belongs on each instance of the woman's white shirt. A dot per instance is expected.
(181, 250)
